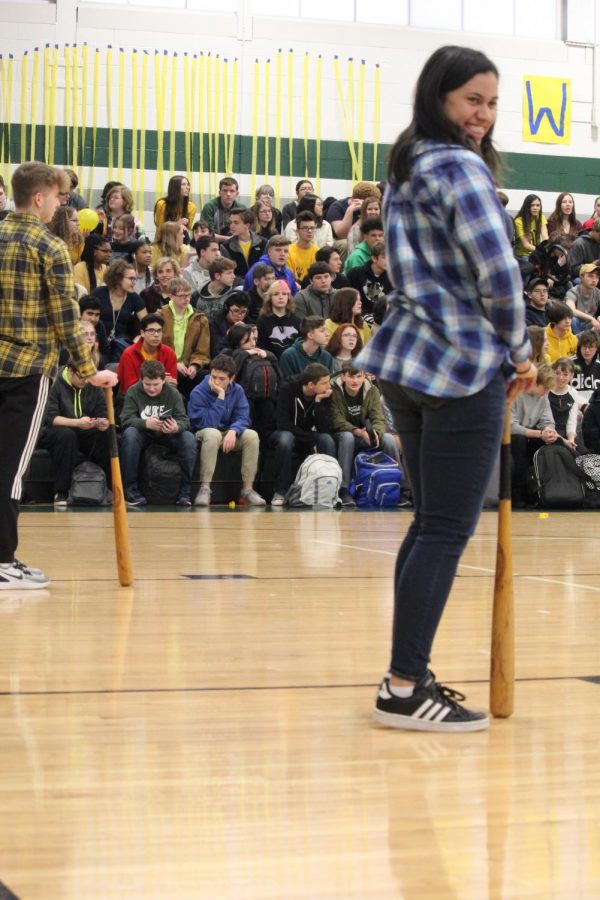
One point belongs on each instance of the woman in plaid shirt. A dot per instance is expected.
(453, 333)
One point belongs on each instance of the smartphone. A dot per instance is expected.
(167, 414)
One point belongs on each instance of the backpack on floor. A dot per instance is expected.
(88, 486)
(160, 476)
(377, 480)
(559, 481)
(259, 378)
(317, 483)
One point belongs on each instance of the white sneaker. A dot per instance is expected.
(249, 497)
(18, 577)
(203, 496)
(277, 500)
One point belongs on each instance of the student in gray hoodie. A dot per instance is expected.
(531, 427)
(315, 299)
(307, 349)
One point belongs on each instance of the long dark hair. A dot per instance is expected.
(342, 303)
(446, 70)
(176, 205)
(557, 215)
(532, 226)
(307, 204)
(91, 243)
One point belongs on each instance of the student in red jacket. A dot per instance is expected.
(150, 346)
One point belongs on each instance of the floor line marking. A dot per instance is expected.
(569, 584)
(265, 687)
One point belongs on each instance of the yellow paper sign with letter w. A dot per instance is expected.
(546, 110)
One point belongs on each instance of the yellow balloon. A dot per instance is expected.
(88, 219)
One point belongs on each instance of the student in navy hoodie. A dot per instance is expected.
(220, 416)
(275, 256)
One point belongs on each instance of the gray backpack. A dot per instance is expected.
(88, 486)
(317, 483)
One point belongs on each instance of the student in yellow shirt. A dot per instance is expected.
(302, 253)
(176, 206)
(561, 340)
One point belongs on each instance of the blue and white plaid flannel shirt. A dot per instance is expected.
(456, 314)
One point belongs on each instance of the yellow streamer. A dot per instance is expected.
(225, 98)
(109, 118)
(75, 112)
(173, 113)
(347, 129)
(134, 129)
(361, 118)
(376, 117)
(144, 94)
(84, 80)
(24, 107)
(68, 105)
(217, 83)
(53, 99)
(318, 97)
(200, 125)
(121, 114)
(305, 107)
(233, 119)
(3, 102)
(158, 90)
(290, 103)
(209, 121)
(187, 115)
(95, 108)
(267, 85)
(47, 72)
(278, 86)
(351, 94)
(255, 95)
(34, 98)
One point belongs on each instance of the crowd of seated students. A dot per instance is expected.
(186, 318)
(298, 292)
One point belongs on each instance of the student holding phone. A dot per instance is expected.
(76, 424)
(153, 412)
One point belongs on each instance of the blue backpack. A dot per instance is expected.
(377, 480)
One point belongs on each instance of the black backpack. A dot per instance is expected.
(160, 476)
(88, 486)
(559, 481)
(259, 378)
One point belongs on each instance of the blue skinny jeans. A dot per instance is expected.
(449, 447)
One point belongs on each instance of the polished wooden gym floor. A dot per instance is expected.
(207, 732)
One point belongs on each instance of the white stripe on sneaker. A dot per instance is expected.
(420, 712)
(432, 711)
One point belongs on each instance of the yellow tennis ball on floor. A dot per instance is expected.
(543, 516)
(232, 504)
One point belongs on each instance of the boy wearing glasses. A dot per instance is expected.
(537, 299)
(187, 333)
(301, 254)
(150, 346)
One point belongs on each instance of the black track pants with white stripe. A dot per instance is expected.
(22, 408)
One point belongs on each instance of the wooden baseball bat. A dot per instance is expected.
(502, 675)
(123, 550)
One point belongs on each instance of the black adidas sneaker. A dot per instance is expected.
(432, 707)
